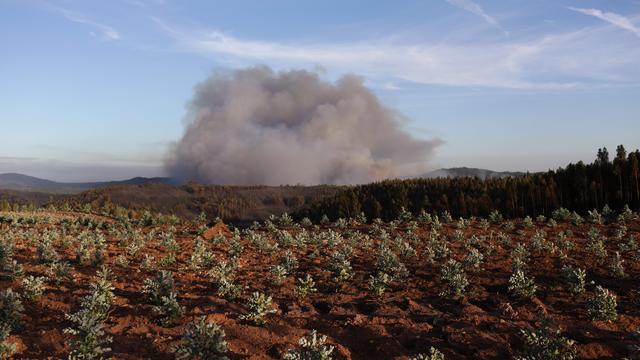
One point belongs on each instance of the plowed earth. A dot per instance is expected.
(408, 319)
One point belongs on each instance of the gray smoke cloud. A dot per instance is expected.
(257, 126)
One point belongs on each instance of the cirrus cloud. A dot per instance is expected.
(584, 58)
(614, 19)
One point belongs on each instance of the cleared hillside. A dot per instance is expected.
(232, 203)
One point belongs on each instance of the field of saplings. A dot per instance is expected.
(425, 286)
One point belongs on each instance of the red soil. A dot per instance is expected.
(407, 320)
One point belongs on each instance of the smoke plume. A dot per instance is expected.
(256, 126)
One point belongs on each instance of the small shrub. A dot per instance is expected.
(495, 217)
(527, 222)
(563, 243)
(305, 286)
(260, 306)
(361, 218)
(6, 348)
(161, 286)
(607, 213)
(632, 243)
(169, 309)
(289, 262)
(13, 270)
(235, 247)
(473, 260)
(453, 274)
(617, 266)
(229, 290)
(484, 224)
(283, 238)
(436, 224)
(10, 309)
(278, 274)
(538, 241)
(602, 305)
(458, 236)
(634, 349)
(312, 347)
(285, 220)
(89, 338)
(561, 214)
(434, 354)
(519, 257)
(597, 248)
(340, 267)
(99, 301)
(99, 245)
(122, 261)
(82, 251)
(201, 256)
(132, 248)
(406, 250)
(59, 271)
(621, 232)
(388, 262)
(379, 283)
(46, 252)
(442, 250)
(446, 217)
(424, 216)
(595, 217)
(509, 226)
(147, 263)
(6, 251)
(627, 214)
(32, 287)
(168, 260)
(546, 343)
(203, 340)
(576, 219)
(521, 285)
(576, 278)
(223, 271)
(162, 294)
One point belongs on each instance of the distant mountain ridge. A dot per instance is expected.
(21, 182)
(471, 172)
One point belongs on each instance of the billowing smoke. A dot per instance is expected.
(256, 126)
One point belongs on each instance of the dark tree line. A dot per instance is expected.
(578, 187)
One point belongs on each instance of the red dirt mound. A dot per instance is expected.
(218, 229)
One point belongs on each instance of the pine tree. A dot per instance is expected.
(635, 171)
(619, 165)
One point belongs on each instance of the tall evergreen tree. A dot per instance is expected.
(619, 165)
(634, 159)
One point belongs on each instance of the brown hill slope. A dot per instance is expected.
(232, 203)
(28, 197)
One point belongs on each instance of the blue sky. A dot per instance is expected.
(97, 89)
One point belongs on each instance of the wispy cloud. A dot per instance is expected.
(144, 3)
(612, 18)
(559, 61)
(107, 33)
(476, 9)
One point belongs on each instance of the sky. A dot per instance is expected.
(97, 90)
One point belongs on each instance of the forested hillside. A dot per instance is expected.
(578, 187)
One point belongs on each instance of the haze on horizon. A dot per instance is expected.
(95, 91)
